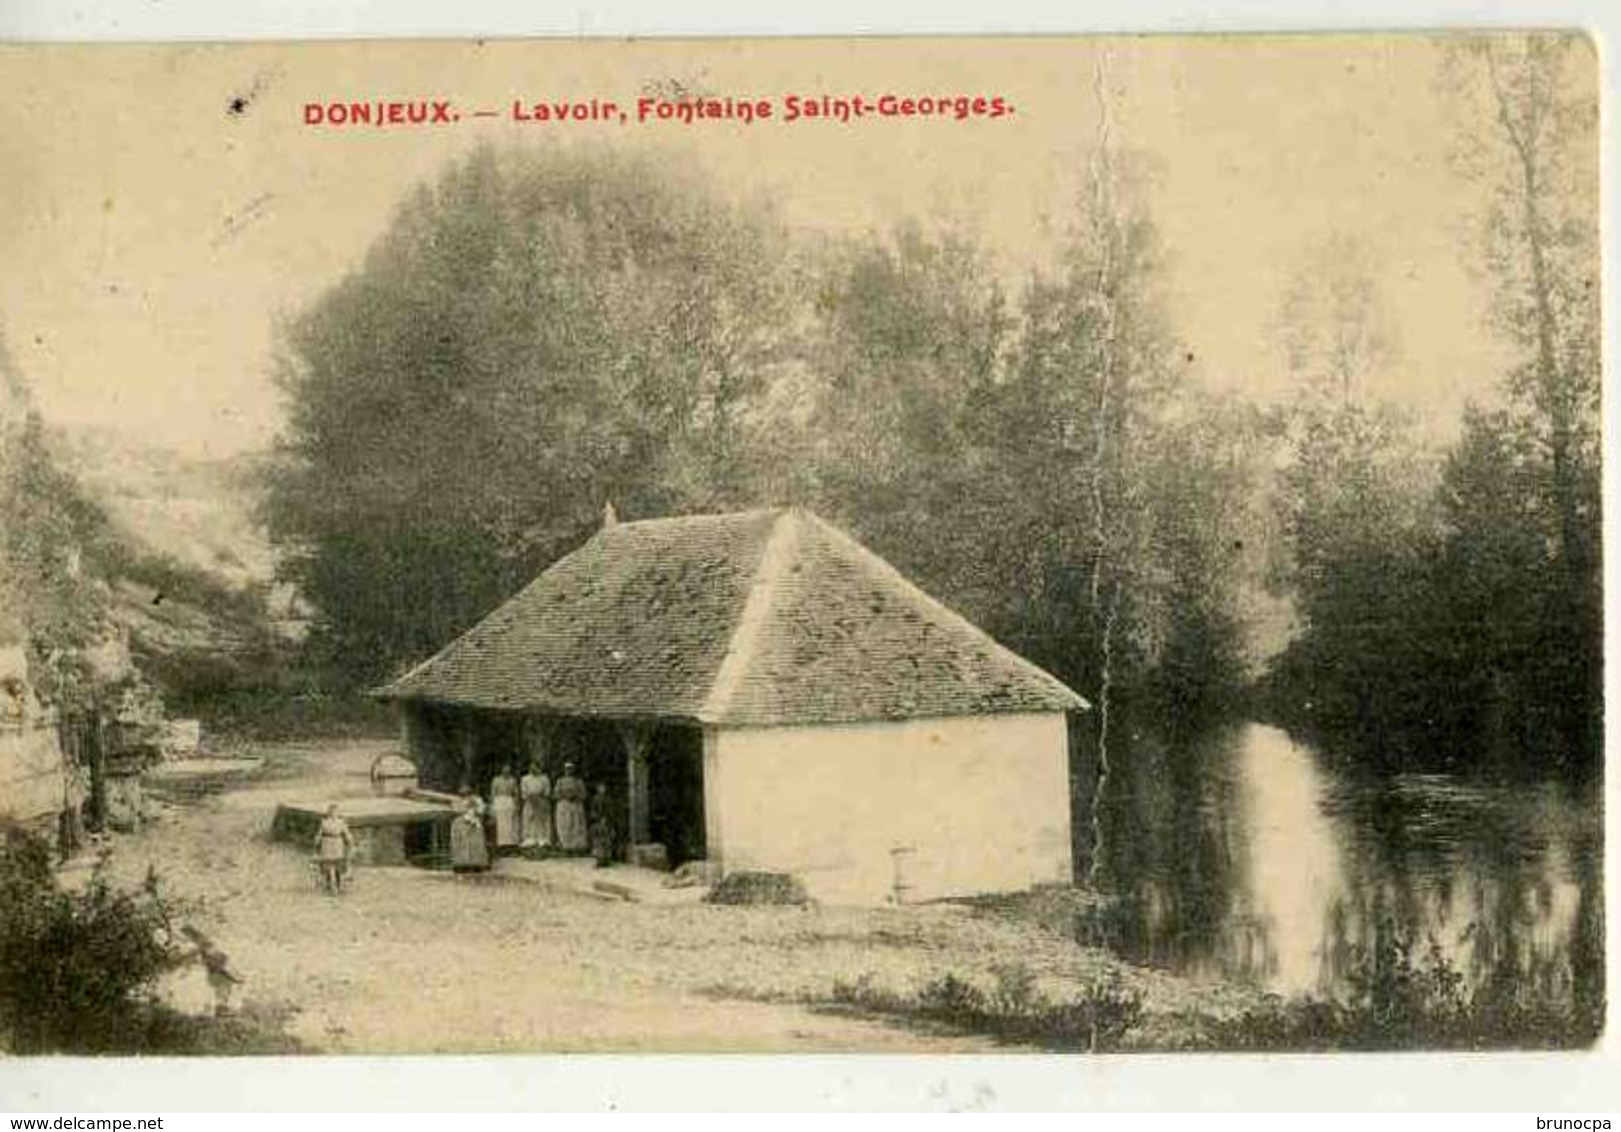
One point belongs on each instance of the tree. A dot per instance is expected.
(1357, 516)
(1088, 381)
(1528, 139)
(51, 598)
(1333, 327)
(1355, 511)
(988, 444)
(1203, 483)
(14, 408)
(537, 334)
(1462, 616)
(1044, 477)
(1502, 602)
(908, 335)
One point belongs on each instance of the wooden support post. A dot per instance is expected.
(540, 746)
(638, 740)
(416, 742)
(469, 737)
(438, 756)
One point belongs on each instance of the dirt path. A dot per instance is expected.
(410, 961)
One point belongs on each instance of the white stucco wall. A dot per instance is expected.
(983, 801)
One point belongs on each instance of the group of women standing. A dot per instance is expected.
(531, 814)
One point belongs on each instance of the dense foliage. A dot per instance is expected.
(74, 966)
(536, 335)
(51, 602)
(545, 331)
(1450, 608)
(88, 598)
(80, 967)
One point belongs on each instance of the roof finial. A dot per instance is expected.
(610, 519)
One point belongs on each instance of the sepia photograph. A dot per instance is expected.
(1048, 545)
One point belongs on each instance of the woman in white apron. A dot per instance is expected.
(572, 834)
(536, 791)
(468, 852)
(504, 810)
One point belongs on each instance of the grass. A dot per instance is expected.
(1400, 996)
(1322, 1025)
(1403, 996)
(153, 1029)
(1096, 1017)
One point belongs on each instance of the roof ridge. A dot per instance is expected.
(921, 597)
(758, 618)
(670, 520)
(740, 650)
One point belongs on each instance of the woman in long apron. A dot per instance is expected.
(536, 791)
(504, 810)
(468, 851)
(572, 834)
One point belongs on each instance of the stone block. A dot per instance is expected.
(649, 855)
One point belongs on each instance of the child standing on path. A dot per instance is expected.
(333, 845)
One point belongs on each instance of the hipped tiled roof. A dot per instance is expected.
(758, 618)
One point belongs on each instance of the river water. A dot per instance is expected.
(1247, 854)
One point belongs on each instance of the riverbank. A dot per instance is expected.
(410, 961)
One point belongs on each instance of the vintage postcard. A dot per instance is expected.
(1067, 544)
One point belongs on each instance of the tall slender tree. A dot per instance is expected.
(1528, 138)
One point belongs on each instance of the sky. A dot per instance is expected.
(162, 208)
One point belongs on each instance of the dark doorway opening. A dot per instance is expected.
(676, 792)
(597, 750)
(498, 746)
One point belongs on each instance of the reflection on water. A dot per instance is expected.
(1247, 854)
(1292, 865)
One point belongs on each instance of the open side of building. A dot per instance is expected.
(759, 691)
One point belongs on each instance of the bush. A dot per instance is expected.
(257, 1029)
(290, 708)
(72, 965)
(1015, 991)
(954, 1001)
(1098, 1018)
(78, 969)
(1401, 997)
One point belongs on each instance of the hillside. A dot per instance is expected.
(198, 512)
(188, 571)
